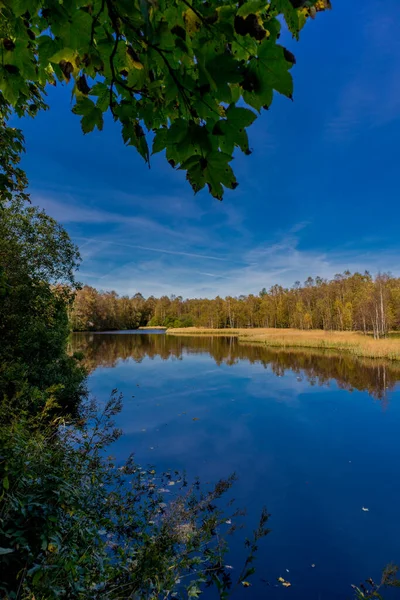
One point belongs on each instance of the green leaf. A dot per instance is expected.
(21, 6)
(191, 162)
(231, 131)
(10, 85)
(133, 135)
(92, 114)
(160, 140)
(6, 483)
(274, 68)
(196, 178)
(66, 54)
(251, 7)
(102, 91)
(295, 18)
(218, 172)
(136, 78)
(240, 117)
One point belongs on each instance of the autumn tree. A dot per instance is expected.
(347, 302)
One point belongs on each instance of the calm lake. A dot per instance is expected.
(314, 438)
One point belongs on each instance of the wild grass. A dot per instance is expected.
(154, 327)
(351, 342)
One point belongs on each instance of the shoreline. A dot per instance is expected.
(349, 342)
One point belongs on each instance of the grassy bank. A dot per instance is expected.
(161, 327)
(343, 341)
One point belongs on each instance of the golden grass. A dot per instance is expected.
(343, 341)
(155, 327)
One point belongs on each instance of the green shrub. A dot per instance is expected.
(75, 525)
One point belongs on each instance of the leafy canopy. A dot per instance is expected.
(187, 75)
(37, 266)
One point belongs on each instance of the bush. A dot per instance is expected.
(75, 525)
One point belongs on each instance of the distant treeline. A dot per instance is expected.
(347, 302)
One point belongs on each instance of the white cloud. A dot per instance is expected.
(220, 258)
(282, 262)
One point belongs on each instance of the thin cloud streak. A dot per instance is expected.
(281, 263)
(68, 212)
(162, 250)
(165, 251)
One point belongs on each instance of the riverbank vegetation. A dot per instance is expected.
(346, 303)
(351, 342)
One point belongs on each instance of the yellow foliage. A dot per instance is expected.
(192, 22)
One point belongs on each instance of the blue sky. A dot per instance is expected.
(318, 195)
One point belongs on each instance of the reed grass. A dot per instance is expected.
(342, 341)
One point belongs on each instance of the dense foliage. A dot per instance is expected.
(347, 302)
(178, 73)
(37, 262)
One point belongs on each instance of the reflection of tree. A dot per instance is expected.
(318, 367)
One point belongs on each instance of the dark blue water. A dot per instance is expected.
(315, 438)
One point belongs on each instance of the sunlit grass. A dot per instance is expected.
(344, 341)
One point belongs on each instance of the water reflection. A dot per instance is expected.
(318, 368)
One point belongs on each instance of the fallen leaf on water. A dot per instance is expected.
(313, 565)
(196, 419)
(246, 584)
(283, 582)
(228, 522)
(171, 483)
(365, 509)
(228, 567)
